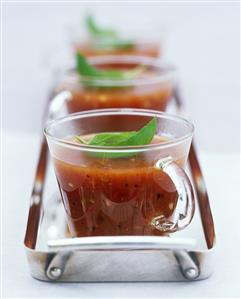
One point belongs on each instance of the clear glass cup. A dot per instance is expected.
(127, 190)
(130, 42)
(153, 89)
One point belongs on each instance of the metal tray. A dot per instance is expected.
(54, 256)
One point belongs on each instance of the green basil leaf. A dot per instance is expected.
(84, 68)
(133, 73)
(121, 45)
(92, 75)
(133, 138)
(108, 139)
(106, 38)
(98, 32)
(113, 44)
(79, 139)
(143, 136)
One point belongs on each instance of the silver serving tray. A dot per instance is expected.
(54, 256)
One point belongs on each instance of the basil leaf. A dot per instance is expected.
(133, 138)
(98, 32)
(84, 68)
(133, 73)
(87, 70)
(143, 136)
(121, 45)
(106, 38)
(79, 139)
(107, 139)
(113, 44)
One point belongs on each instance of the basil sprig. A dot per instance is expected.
(133, 138)
(105, 38)
(92, 74)
(98, 32)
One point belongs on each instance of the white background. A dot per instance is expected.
(202, 39)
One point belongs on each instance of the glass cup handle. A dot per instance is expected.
(186, 203)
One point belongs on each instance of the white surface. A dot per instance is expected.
(202, 40)
(222, 177)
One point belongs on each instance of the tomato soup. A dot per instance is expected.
(123, 196)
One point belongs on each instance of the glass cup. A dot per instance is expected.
(153, 89)
(127, 190)
(137, 39)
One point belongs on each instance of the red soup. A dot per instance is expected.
(124, 196)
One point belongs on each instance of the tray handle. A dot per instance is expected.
(65, 247)
(53, 107)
